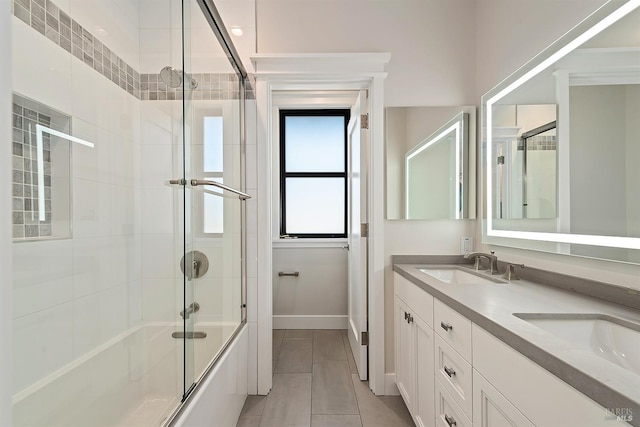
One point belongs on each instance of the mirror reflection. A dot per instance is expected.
(429, 152)
(526, 160)
(563, 144)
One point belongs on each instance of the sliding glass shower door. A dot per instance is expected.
(212, 205)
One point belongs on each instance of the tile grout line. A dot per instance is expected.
(313, 338)
(355, 395)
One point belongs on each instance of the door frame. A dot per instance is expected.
(308, 72)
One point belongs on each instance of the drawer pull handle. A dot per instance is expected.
(446, 326)
(449, 371)
(450, 420)
(410, 319)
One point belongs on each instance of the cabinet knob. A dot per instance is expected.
(449, 371)
(450, 420)
(446, 326)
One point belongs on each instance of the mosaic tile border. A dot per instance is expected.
(210, 87)
(539, 143)
(47, 18)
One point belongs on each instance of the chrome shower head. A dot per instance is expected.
(173, 77)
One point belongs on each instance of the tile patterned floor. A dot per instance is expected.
(316, 384)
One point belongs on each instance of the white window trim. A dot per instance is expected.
(311, 100)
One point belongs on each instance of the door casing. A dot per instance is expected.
(317, 72)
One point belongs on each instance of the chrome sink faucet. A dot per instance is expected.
(493, 261)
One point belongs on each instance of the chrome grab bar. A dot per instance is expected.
(197, 182)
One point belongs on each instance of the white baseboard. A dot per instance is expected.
(309, 322)
(390, 387)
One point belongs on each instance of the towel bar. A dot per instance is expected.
(294, 274)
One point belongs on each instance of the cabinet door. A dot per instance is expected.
(423, 410)
(492, 409)
(404, 350)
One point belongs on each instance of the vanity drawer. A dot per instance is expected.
(453, 327)
(455, 375)
(418, 300)
(448, 413)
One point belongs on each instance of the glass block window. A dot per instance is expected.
(313, 173)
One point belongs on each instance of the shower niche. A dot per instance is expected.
(41, 176)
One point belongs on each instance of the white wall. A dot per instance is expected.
(160, 156)
(511, 32)
(72, 295)
(317, 298)
(6, 284)
(633, 154)
(423, 70)
(598, 160)
(395, 137)
(114, 22)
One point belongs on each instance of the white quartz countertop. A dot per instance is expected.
(492, 307)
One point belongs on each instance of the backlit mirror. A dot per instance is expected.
(563, 144)
(430, 152)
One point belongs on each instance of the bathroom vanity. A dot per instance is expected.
(473, 348)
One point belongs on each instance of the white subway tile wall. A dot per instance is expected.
(47, 19)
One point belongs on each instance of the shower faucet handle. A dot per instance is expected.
(194, 265)
(196, 268)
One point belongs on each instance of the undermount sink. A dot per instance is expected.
(614, 339)
(455, 275)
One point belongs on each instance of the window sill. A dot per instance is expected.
(310, 243)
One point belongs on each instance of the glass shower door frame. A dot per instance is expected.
(191, 379)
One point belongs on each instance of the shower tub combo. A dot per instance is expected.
(128, 198)
(136, 371)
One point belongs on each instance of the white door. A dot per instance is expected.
(358, 142)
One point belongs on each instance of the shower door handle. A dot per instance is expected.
(201, 182)
(197, 182)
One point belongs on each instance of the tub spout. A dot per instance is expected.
(194, 307)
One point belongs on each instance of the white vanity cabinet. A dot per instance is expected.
(414, 350)
(452, 372)
(541, 397)
(491, 408)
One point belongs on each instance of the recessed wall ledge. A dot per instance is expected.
(616, 294)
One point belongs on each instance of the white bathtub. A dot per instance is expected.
(133, 380)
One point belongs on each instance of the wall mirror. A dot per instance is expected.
(562, 144)
(430, 155)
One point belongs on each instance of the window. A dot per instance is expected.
(313, 173)
(212, 167)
